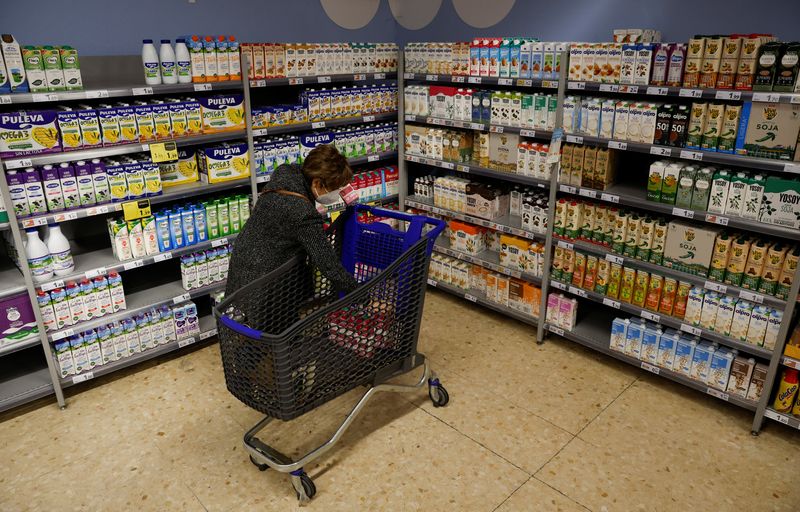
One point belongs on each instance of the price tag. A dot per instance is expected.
(608, 88)
(373, 158)
(717, 287)
(219, 242)
(795, 99)
(164, 256)
(613, 258)
(458, 79)
(52, 285)
(82, 377)
(717, 393)
(658, 91)
(38, 98)
(790, 167)
(505, 81)
(630, 89)
(691, 155)
(61, 217)
(133, 264)
(556, 330)
(186, 342)
(142, 91)
(408, 76)
(578, 291)
(613, 144)
(202, 87)
(682, 212)
(474, 79)
(432, 282)
(369, 119)
(5, 99)
(657, 150)
(181, 298)
(163, 152)
(767, 97)
(207, 334)
(728, 95)
(470, 298)
(318, 124)
(133, 210)
(437, 121)
(752, 297)
(790, 362)
(524, 82)
(16, 164)
(36, 221)
(432, 78)
(565, 245)
(647, 315)
(496, 129)
(63, 334)
(769, 413)
(476, 126)
(527, 133)
(550, 84)
(99, 271)
(324, 79)
(585, 192)
(296, 81)
(411, 117)
(449, 165)
(651, 368)
(463, 168)
(559, 285)
(611, 198)
(690, 93)
(578, 86)
(612, 303)
(691, 329)
(575, 139)
(99, 210)
(568, 189)
(258, 83)
(99, 93)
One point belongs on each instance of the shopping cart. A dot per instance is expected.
(291, 343)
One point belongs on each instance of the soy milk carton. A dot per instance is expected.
(28, 133)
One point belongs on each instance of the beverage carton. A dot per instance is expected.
(109, 125)
(772, 130)
(684, 355)
(222, 113)
(740, 374)
(689, 247)
(71, 67)
(701, 362)
(128, 130)
(721, 363)
(34, 68)
(781, 203)
(757, 381)
(28, 133)
(666, 349)
(14, 64)
(224, 163)
(70, 128)
(52, 69)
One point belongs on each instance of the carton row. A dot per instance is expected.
(38, 68)
(81, 301)
(275, 60)
(207, 267)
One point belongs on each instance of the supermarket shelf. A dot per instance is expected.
(208, 328)
(632, 195)
(24, 385)
(122, 149)
(486, 259)
(786, 419)
(791, 362)
(685, 92)
(301, 127)
(663, 319)
(481, 299)
(709, 157)
(119, 92)
(139, 302)
(4, 226)
(359, 160)
(482, 80)
(28, 342)
(101, 262)
(11, 281)
(735, 291)
(594, 331)
(483, 127)
(175, 193)
(508, 224)
(321, 79)
(473, 168)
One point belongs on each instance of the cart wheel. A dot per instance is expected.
(438, 395)
(261, 467)
(309, 490)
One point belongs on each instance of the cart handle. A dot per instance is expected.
(438, 224)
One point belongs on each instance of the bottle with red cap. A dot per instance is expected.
(787, 391)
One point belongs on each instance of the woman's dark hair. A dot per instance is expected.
(331, 167)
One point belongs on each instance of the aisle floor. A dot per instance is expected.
(528, 428)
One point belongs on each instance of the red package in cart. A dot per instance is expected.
(362, 330)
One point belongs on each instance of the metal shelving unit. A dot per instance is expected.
(655, 92)
(22, 384)
(479, 298)
(586, 333)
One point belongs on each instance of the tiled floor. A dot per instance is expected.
(528, 428)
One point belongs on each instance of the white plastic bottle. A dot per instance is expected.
(39, 260)
(152, 73)
(184, 61)
(169, 74)
(58, 246)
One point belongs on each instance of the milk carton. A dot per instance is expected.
(773, 328)
(79, 354)
(708, 314)
(701, 362)
(650, 343)
(666, 349)
(27, 133)
(721, 364)
(741, 320)
(34, 68)
(14, 64)
(66, 363)
(109, 125)
(224, 163)
(37, 203)
(740, 375)
(91, 135)
(757, 329)
(757, 381)
(684, 354)
(633, 339)
(222, 113)
(71, 67)
(724, 319)
(694, 306)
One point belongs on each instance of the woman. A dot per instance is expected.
(285, 221)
